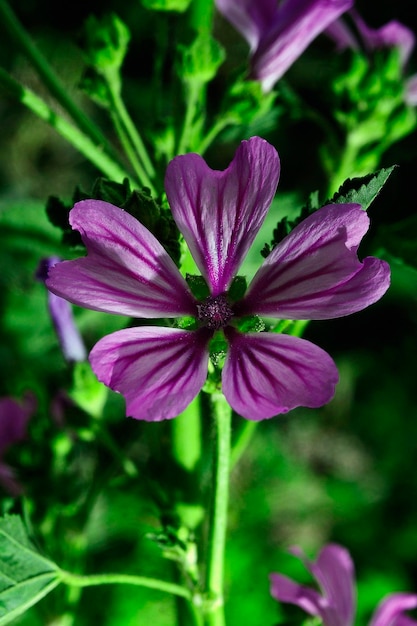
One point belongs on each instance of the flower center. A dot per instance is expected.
(215, 312)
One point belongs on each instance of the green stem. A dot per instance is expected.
(133, 135)
(130, 152)
(75, 137)
(194, 101)
(242, 441)
(186, 436)
(51, 81)
(201, 15)
(214, 609)
(211, 134)
(77, 580)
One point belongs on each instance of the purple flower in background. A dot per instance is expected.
(391, 35)
(394, 34)
(14, 417)
(278, 32)
(335, 603)
(313, 274)
(69, 338)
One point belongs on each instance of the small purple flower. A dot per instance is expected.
(278, 32)
(14, 417)
(69, 338)
(335, 603)
(313, 274)
(390, 35)
(394, 34)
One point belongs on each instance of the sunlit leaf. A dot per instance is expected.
(25, 575)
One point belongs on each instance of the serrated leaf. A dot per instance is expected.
(25, 575)
(362, 190)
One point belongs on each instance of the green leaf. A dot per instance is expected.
(25, 575)
(167, 5)
(363, 190)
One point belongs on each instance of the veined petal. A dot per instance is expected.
(393, 34)
(266, 374)
(252, 18)
(335, 573)
(314, 273)
(126, 270)
(220, 212)
(390, 611)
(297, 23)
(158, 370)
(286, 590)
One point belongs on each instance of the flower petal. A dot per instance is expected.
(286, 590)
(252, 18)
(335, 573)
(266, 374)
(220, 212)
(390, 610)
(14, 418)
(126, 271)
(393, 34)
(158, 370)
(295, 26)
(60, 310)
(314, 273)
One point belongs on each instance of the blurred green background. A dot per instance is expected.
(344, 473)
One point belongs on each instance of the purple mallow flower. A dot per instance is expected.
(394, 34)
(335, 603)
(14, 418)
(278, 32)
(69, 338)
(314, 273)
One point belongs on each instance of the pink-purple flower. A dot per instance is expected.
(314, 273)
(335, 602)
(393, 34)
(69, 337)
(278, 31)
(14, 418)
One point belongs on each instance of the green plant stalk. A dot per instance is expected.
(51, 81)
(130, 153)
(131, 132)
(70, 133)
(94, 580)
(211, 134)
(195, 100)
(214, 605)
(186, 436)
(201, 15)
(242, 441)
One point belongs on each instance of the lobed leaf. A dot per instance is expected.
(25, 575)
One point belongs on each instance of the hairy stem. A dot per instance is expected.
(77, 580)
(214, 609)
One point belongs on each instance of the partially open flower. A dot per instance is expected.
(278, 32)
(335, 602)
(14, 418)
(69, 338)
